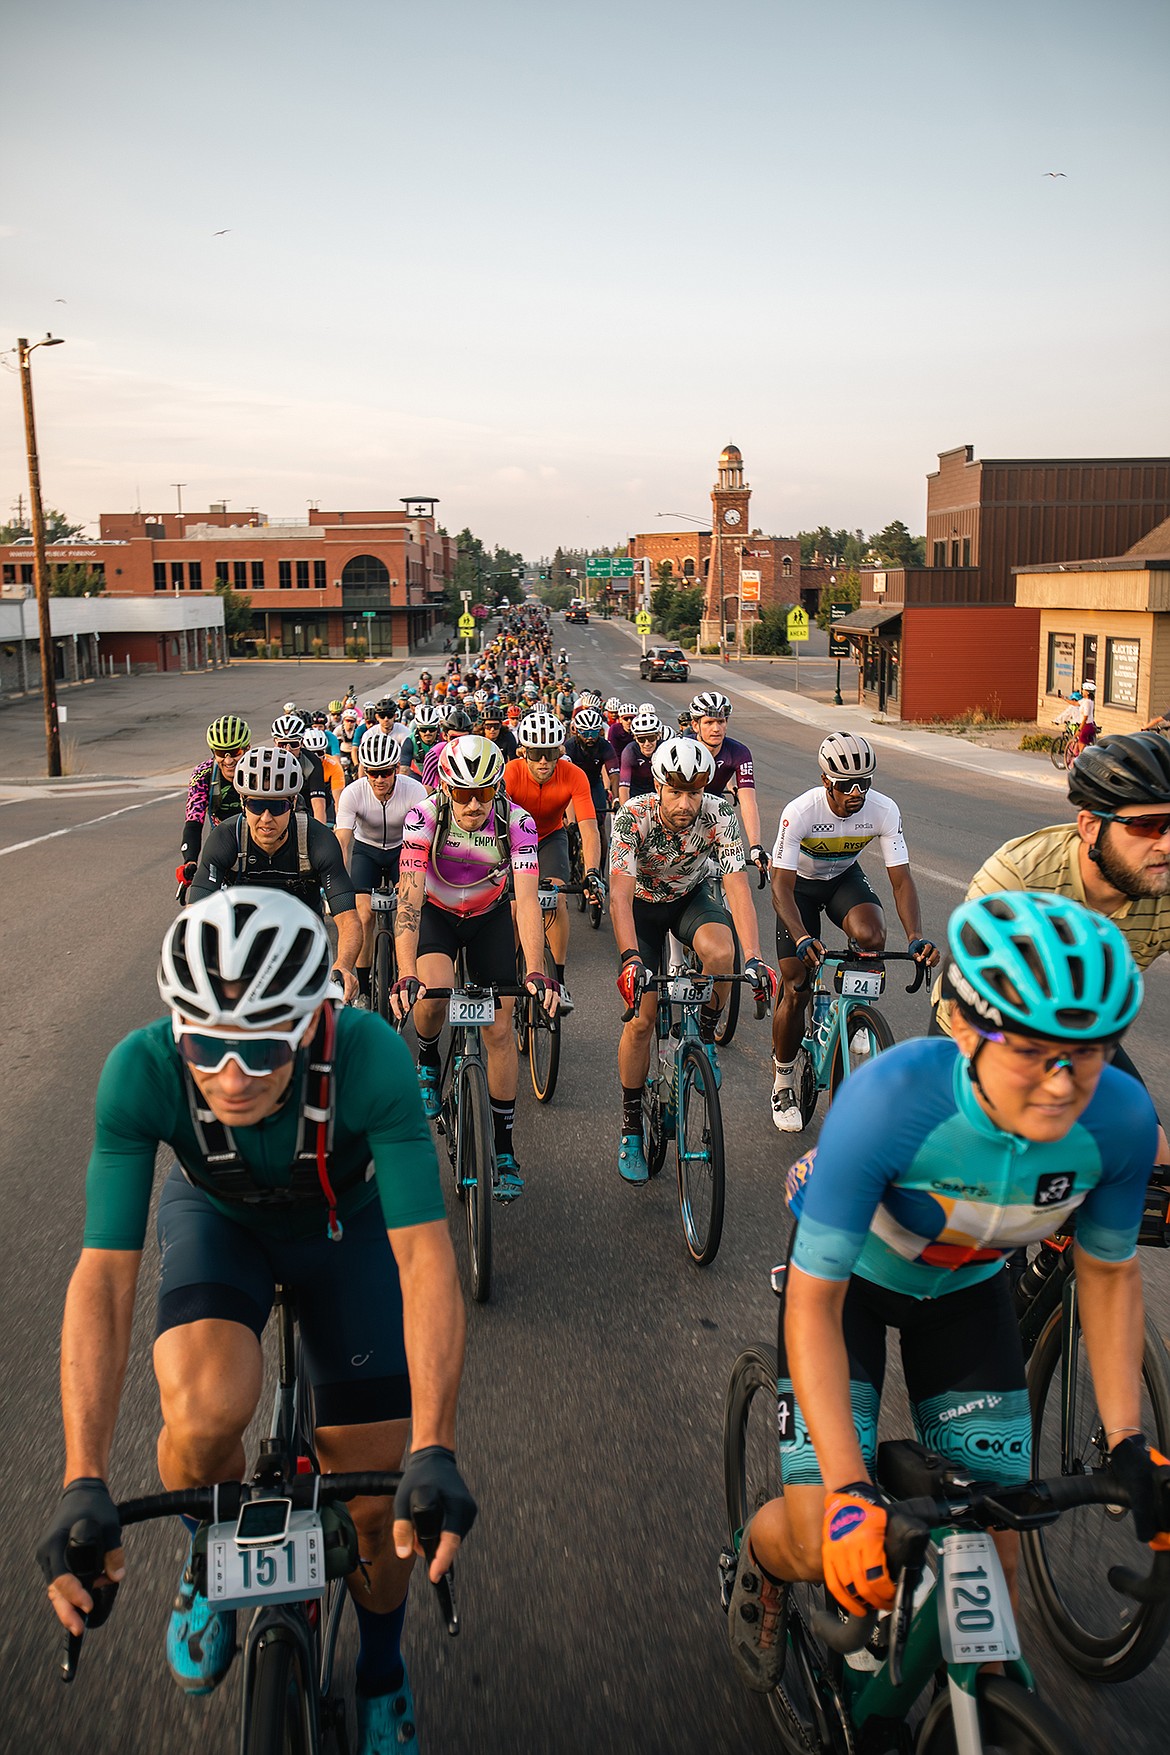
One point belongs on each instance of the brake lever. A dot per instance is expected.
(427, 1516)
(84, 1557)
(900, 1619)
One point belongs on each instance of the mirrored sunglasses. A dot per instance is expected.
(277, 807)
(208, 1051)
(1144, 828)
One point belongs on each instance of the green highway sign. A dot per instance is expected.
(622, 569)
(598, 568)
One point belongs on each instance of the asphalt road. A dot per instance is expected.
(591, 1411)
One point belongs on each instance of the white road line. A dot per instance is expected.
(19, 846)
(939, 877)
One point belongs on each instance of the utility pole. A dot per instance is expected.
(40, 566)
(178, 487)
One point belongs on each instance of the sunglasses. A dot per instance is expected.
(1080, 1059)
(382, 773)
(472, 794)
(275, 807)
(848, 786)
(208, 1051)
(292, 744)
(543, 755)
(646, 737)
(1145, 828)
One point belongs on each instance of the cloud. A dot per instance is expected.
(8, 231)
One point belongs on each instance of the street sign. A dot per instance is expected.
(839, 646)
(466, 626)
(621, 569)
(797, 624)
(749, 586)
(369, 614)
(598, 567)
(642, 621)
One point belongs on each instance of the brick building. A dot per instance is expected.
(379, 575)
(743, 572)
(938, 640)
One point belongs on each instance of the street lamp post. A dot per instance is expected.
(40, 567)
(837, 701)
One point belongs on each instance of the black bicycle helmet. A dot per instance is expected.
(1131, 768)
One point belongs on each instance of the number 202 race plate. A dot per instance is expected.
(283, 1572)
(461, 1010)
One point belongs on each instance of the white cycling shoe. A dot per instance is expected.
(860, 1044)
(786, 1116)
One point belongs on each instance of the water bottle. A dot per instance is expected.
(821, 1004)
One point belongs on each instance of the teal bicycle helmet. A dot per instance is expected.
(1042, 965)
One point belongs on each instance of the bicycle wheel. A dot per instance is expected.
(520, 1018)
(729, 1017)
(1011, 1719)
(1056, 749)
(657, 1123)
(476, 1170)
(382, 976)
(807, 1091)
(1103, 1636)
(544, 1044)
(751, 1477)
(868, 1035)
(279, 1704)
(1071, 752)
(699, 1143)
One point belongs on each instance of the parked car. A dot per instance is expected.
(664, 664)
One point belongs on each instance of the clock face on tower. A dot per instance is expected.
(731, 516)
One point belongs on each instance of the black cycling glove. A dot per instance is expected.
(86, 1500)
(432, 1473)
(1139, 1469)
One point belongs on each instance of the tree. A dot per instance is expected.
(769, 636)
(76, 579)
(846, 590)
(56, 526)
(840, 548)
(895, 547)
(237, 611)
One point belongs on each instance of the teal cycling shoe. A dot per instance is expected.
(429, 1082)
(201, 1641)
(386, 1722)
(509, 1182)
(632, 1165)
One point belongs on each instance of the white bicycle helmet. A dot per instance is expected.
(711, 705)
(683, 763)
(473, 761)
(845, 756)
(646, 722)
(589, 698)
(268, 773)
(612, 705)
(262, 940)
(626, 709)
(315, 742)
(588, 719)
(540, 731)
(378, 752)
(425, 719)
(289, 725)
(289, 707)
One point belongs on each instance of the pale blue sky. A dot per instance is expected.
(545, 263)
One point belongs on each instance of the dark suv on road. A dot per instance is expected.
(577, 612)
(664, 664)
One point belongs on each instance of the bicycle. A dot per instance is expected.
(826, 1704)
(680, 1099)
(538, 1035)
(1068, 1437)
(383, 962)
(1061, 747)
(465, 1115)
(844, 1028)
(729, 1016)
(276, 1547)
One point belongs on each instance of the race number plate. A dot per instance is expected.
(287, 1572)
(381, 902)
(975, 1619)
(690, 989)
(549, 899)
(862, 983)
(462, 1010)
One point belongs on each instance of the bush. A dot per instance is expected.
(320, 649)
(708, 651)
(1037, 740)
(356, 649)
(769, 637)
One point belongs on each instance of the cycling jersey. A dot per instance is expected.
(814, 842)
(733, 767)
(619, 738)
(314, 784)
(593, 759)
(232, 856)
(913, 1186)
(378, 822)
(663, 864)
(635, 770)
(469, 874)
(209, 796)
(547, 804)
(142, 1100)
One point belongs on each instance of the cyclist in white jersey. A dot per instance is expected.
(815, 866)
(370, 813)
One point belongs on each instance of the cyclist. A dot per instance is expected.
(686, 725)
(620, 732)
(225, 1081)
(545, 785)
(933, 1164)
(288, 733)
(316, 743)
(493, 728)
(589, 749)
(387, 718)
(211, 797)
(815, 866)
(257, 848)
(634, 776)
(349, 736)
(320, 722)
(424, 734)
(454, 723)
(1079, 713)
(734, 767)
(663, 844)
(370, 815)
(459, 849)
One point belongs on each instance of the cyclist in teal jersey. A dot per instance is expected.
(935, 1162)
(303, 1157)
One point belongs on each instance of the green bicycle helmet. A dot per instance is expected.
(1042, 965)
(228, 733)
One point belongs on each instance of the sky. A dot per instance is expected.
(544, 261)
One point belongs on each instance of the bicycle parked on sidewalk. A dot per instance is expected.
(279, 1547)
(845, 1029)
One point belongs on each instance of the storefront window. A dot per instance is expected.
(1062, 652)
(1121, 673)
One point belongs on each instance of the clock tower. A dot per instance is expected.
(730, 524)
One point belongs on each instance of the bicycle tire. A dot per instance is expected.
(1070, 753)
(751, 1477)
(702, 1181)
(1012, 1719)
(476, 1171)
(595, 915)
(276, 1718)
(807, 1090)
(1056, 748)
(520, 1019)
(544, 1045)
(382, 977)
(655, 1134)
(1101, 1635)
(729, 1017)
(881, 1037)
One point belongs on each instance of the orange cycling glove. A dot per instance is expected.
(853, 1550)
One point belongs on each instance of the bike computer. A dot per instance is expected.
(262, 1522)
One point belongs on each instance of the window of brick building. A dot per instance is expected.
(9, 574)
(319, 575)
(966, 551)
(26, 573)
(940, 554)
(240, 575)
(302, 575)
(195, 575)
(257, 575)
(786, 566)
(1122, 658)
(223, 572)
(160, 575)
(955, 552)
(285, 570)
(177, 575)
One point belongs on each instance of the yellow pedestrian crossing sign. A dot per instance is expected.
(642, 621)
(466, 626)
(797, 624)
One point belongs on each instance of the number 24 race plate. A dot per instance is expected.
(287, 1571)
(862, 983)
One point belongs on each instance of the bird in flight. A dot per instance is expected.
(1055, 173)
(60, 301)
(227, 228)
